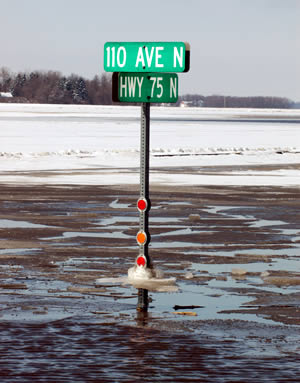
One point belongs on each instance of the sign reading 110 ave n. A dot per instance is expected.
(146, 57)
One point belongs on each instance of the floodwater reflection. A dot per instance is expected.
(142, 316)
(143, 300)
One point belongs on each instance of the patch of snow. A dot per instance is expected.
(6, 94)
(82, 144)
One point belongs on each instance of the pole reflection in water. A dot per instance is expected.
(143, 300)
(142, 318)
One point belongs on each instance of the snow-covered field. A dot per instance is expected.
(69, 144)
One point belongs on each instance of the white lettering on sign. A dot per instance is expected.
(173, 86)
(108, 58)
(111, 56)
(149, 57)
(130, 83)
(140, 59)
(121, 64)
(123, 86)
(132, 80)
(178, 57)
(157, 81)
(157, 57)
(131, 86)
(140, 82)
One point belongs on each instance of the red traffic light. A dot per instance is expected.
(142, 204)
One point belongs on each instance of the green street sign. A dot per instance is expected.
(145, 87)
(146, 57)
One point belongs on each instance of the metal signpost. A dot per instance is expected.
(144, 204)
(140, 76)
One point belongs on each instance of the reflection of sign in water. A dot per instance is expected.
(145, 87)
(146, 57)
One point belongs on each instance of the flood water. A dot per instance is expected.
(80, 351)
(68, 312)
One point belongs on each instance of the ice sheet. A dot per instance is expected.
(69, 144)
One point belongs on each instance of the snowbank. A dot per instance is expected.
(100, 145)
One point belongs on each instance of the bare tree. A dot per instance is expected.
(6, 79)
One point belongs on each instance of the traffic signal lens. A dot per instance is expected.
(141, 238)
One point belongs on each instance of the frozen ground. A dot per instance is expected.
(62, 144)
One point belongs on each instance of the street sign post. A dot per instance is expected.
(145, 87)
(139, 75)
(146, 57)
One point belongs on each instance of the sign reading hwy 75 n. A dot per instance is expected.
(145, 87)
(146, 57)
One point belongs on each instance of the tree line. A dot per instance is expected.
(51, 87)
(219, 101)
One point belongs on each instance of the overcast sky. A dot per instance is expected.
(238, 47)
